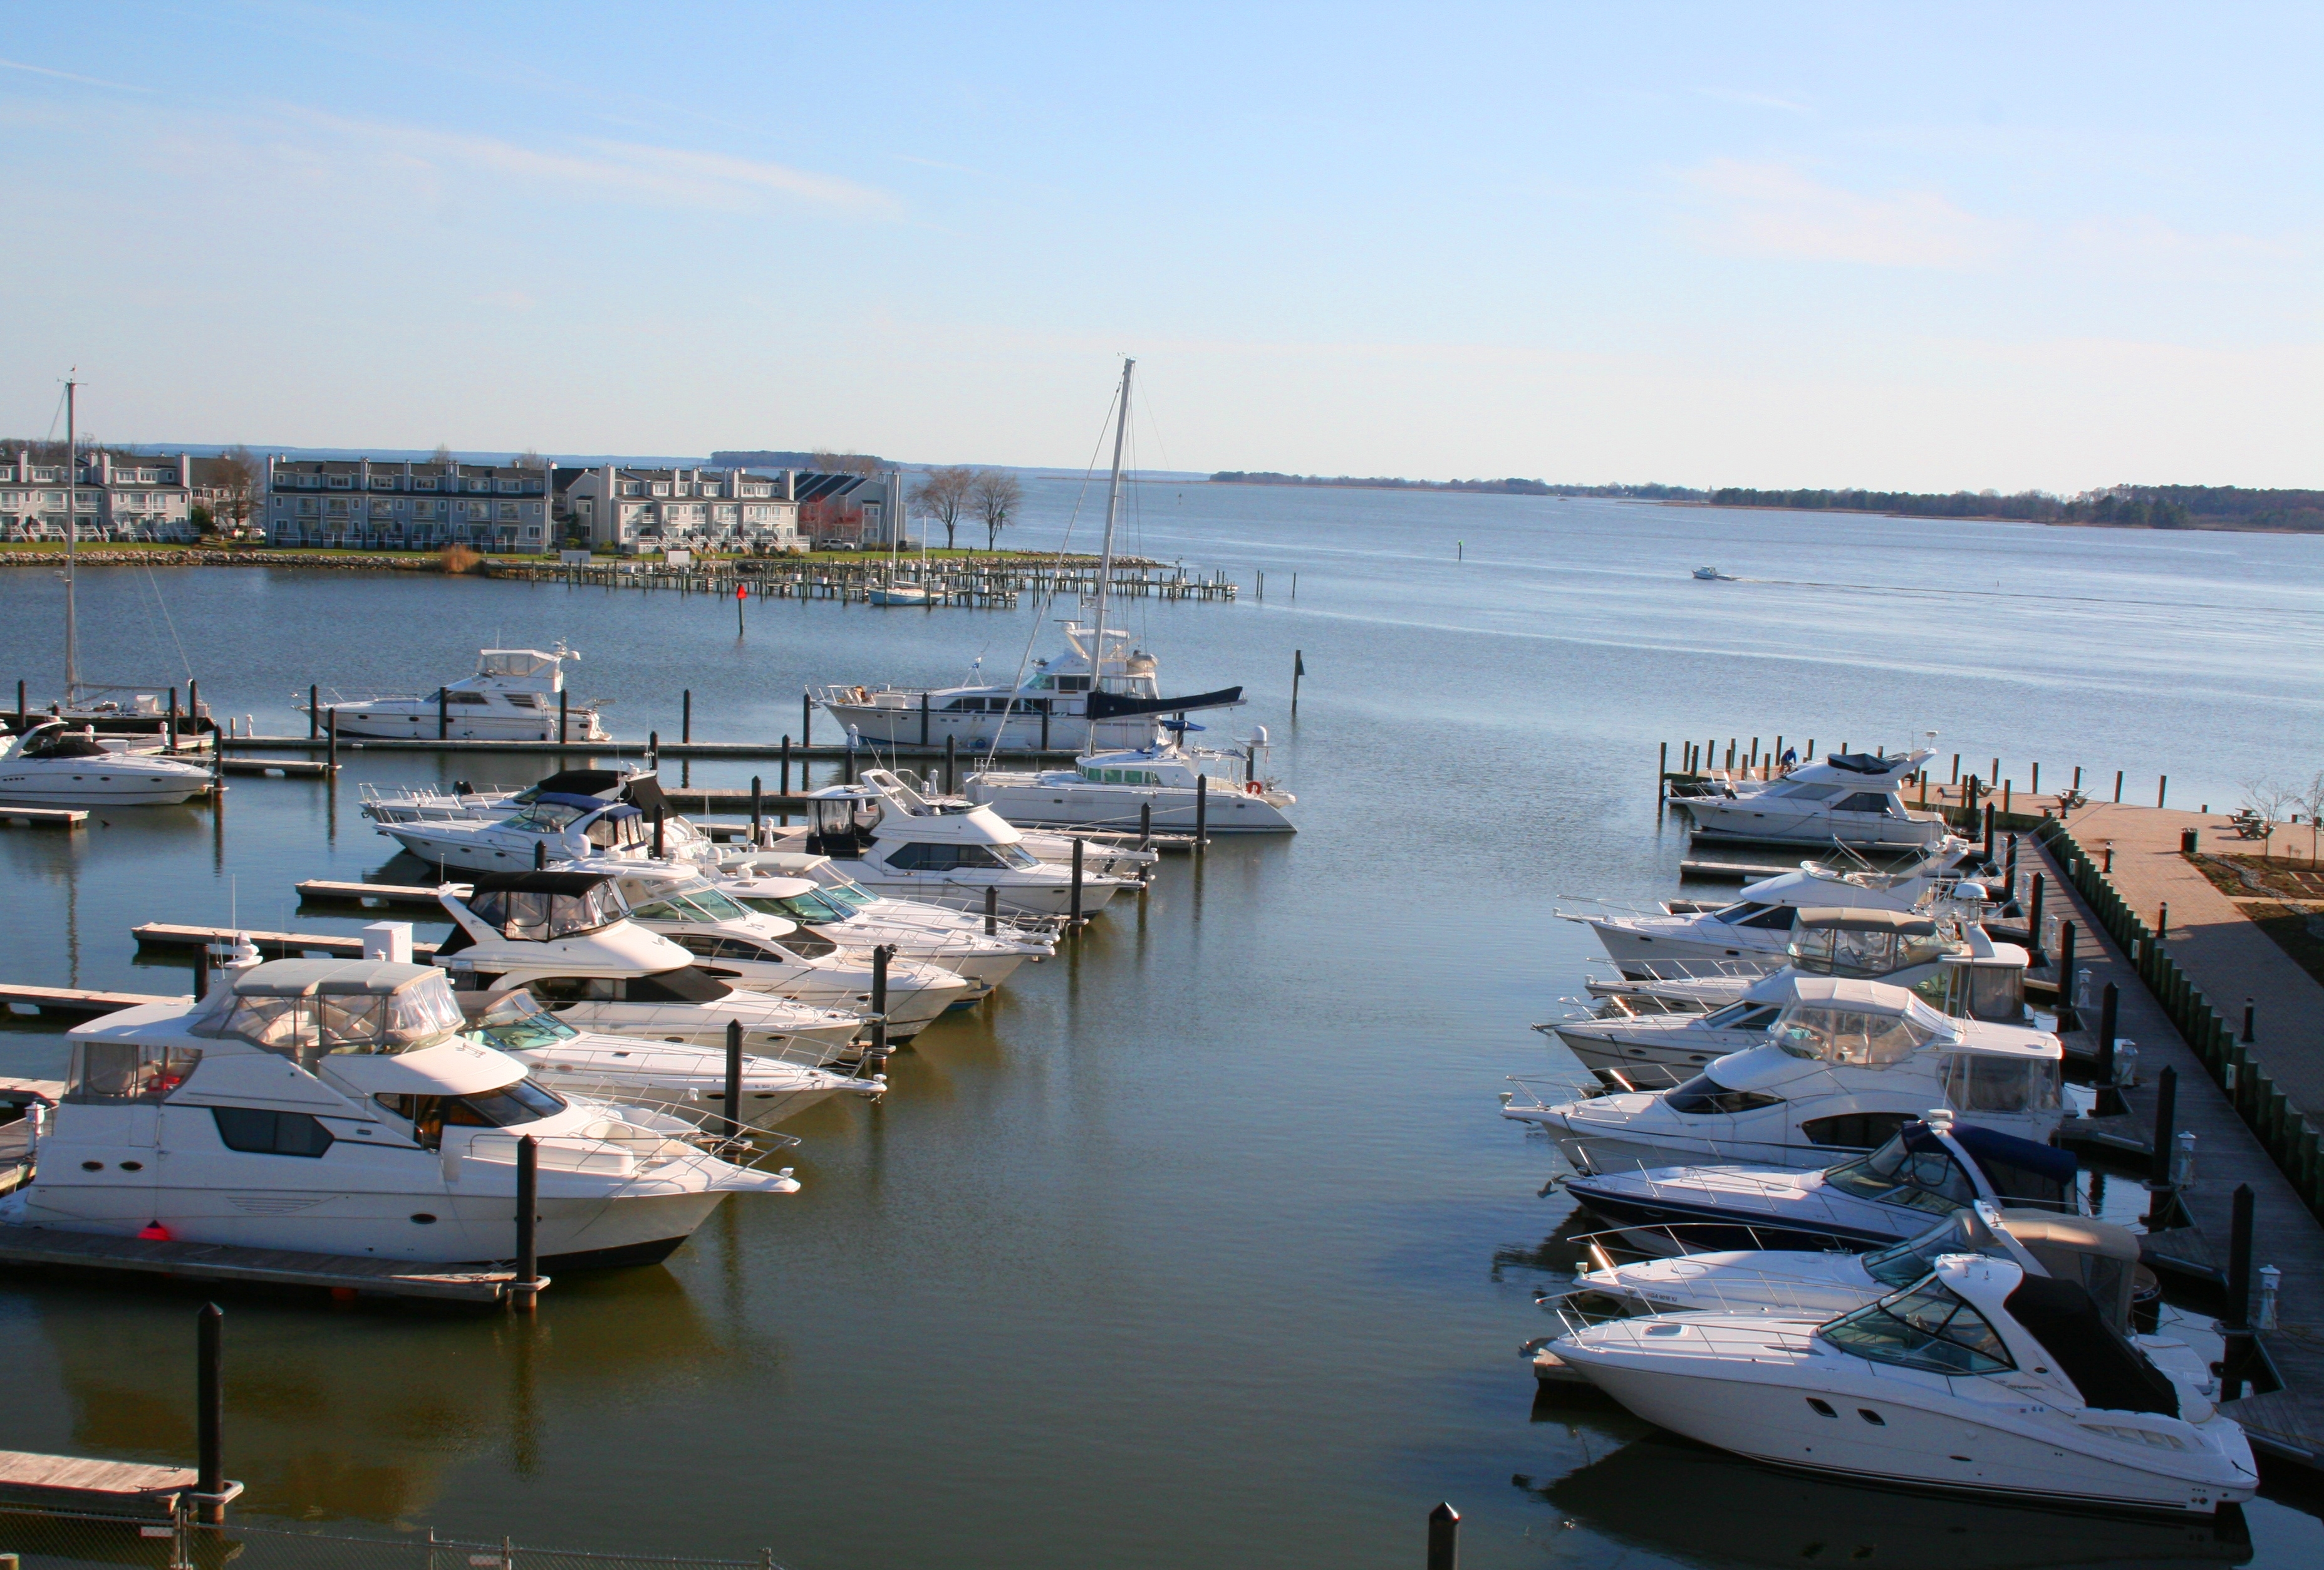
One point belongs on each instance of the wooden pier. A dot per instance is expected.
(72, 1002)
(127, 1488)
(196, 1262)
(273, 944)
(64, 817)
(324, 891)
(993, 583)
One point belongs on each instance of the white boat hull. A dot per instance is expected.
(882, 727)
(1026, 802)
(101, 783)
(1741, 819)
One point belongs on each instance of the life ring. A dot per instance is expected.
(1253, 788)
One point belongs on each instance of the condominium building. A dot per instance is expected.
(119, 497)
(398, 504)
(627, 509)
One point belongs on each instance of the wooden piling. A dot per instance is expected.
(807, 719)
(314, 711)
(952, 765)
(784, 788)
(991, 910)
(443, 713)
(2162, 789)
(686, 717)
(524, 1292)
(1079, 842)
(758, 813)
(2118, 785)
(173, 719)
(735, 1079)
(1444, 1538)
(564, 732)
(1662, 773)
(2158, 1159)
(2236, 1320)
(209, 1412)
(1202, 812)
(2109, 1018)
(2067, 1018)
(331, 728)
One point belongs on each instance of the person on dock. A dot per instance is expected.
(1791, 759)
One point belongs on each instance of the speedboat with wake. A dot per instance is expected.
(341, 1107)
(1980, 1378)
(514, 695)
(54, 765)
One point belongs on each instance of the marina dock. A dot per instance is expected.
(26, 1245)
(70, 1003)
(65, 818)
(116, 1487)
(273, 944)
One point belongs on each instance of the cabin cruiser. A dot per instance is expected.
(460, 801)
(1980, 1377)
(770, 954)
(822, 915)
(1035, 936)
(1634, 1047)
(513, 697)
(557, 825)
(338, 1106)
(1929, 1168)
(567, 938)
(1757, 923)
(685, 1082)
(54, 765)
(1115, 855)
(1850, 799)
(1839, 1065)
(1151, 786)
(892, 840)
(1059, 705)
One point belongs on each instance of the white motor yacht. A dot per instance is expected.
(567, 937)
(513, 697)
(687, 1082)
(1841, 1064)
(1150, 786)
(1035, 936)
(856, 930)
(337, 1106)
(1850, 799)
(555, 827)
(770, 954)
(460, 801)
(892, 840)
(1980, 1378)
(52, 765)
(1757, 923)
(1930, 1168)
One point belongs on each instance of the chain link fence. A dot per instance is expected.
(41, 1538)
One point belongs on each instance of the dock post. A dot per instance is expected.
(784, 787)
(1202, 812)
(735, 1079)
(1989, 832)
(880, 955)
(924, 719)
(658, 840)
(807, 719)
(2066, 1020)
(314, 711)
(2077, 776)
(1444, 1538)
(2036, 885)
(991, 910)
(2162, 789)
(443, 713)
(653, 751)
(2110, 1009)
(686, 717)
(563, 734)
(758, 808)
(1044, 724)
(526, 1291)
(2035, 789)
(202, 971)
(2158, 1159)
(173, 720)
(209, 1411)
(540, 855)
(2118, 785)
(952, 765)
(331, 729)
(1956, 778)
(2250, 1035)
(1662, 773)
(20, 708)
(2236, 1321)
(2009, 871)
(1079, 845)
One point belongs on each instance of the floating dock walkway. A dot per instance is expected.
(273, 944)
(28, 1245)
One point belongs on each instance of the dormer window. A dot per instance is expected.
(342, 481)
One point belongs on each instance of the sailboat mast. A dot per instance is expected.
(1112, 512)
(72, 532)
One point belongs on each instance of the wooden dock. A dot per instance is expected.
(867, 755)
(284, 768)
(1735, 871)
(274, 944)
(66, 817)
(28, 1245)
(113, 1487)
(324, 891)
(72, 1002)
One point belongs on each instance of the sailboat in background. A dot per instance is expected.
(894, 592)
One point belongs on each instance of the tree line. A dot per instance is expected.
(955, 495)
(2120, 507)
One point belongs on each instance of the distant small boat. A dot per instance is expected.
(1713, 575)
(898, 593)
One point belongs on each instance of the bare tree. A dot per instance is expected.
(942, 494)
(529, 459)
(2311, 801)
(237, 475)
(2269, 799)
(997, 494)
(443, 455)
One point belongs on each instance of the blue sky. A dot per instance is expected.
(2012, 245)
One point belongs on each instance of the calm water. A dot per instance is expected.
(1203, 1244)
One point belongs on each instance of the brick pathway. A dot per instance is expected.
(2221, 950)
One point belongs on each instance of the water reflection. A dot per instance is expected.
(1666, 1496)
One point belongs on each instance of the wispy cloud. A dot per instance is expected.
(39, 70)
(1773, 209)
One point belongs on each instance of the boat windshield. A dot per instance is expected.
(516, 1022)
(699, 901)
(847, 891)
(1743, 1016)
(1924, 1327)
(539, 915)
(1922, 1179)
(1902, 1264)
(1847, 1036)
(417, 1014)
(811, 906)
(544, 817)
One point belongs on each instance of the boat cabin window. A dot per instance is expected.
(812, 906)
(539, 917)
(1903, 1263)
(1845, 1036)
(1986, 992)
(507, 1107)
(1703, 1094)
(1893, 1175)
(1096, 776)
(457, 698)
(921, 856)
(544, 818)
(1980, 1081)
(710, 945)
(850, 894)
(516, 1022)
(1067, 683)
(695, 902)
(115, 1073)
(805, 945)
(686, 984)
(1926, 1327)
(256, 1131)
(1833, 951)
(1801, 790)
(1744, 1016)
(1868, 801)
(1748, 914)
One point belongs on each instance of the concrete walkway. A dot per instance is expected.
(2222, 950)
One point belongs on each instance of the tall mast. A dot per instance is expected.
(72, 532)
(1112, 511)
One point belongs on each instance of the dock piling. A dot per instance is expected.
(1444, 1538)
(524, 1292)
(2036, 885)
(952, 765)
(2158, 1159)
(2162, 789)
(540, 855)
(686, 717)
(331, 730)
(1146, 826)
(2109, 1009)
(735, 1079)
(1298, 669)
(2236, 1321)
(209, 1411)
(880, 955)
(1079, 843)
(173, 719)
(1202, 812)
(314, 710)
(758, 813)
(807, 719)
(657, 834)
(443, 714)
(564, 698)
(2118, 786)
(2250, 1035)
(1662, 773)
(991, 910)
(2067, 1020)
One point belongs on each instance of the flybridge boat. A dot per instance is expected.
(337, 1106)
(823, 917)
(1757, 924)
(557, 826)
(567, 938)
(685, 1082)
(892, 840)
(52, 765)
(460, 801)
(1837, 1064)
(1931, 1167)
(1980, 1377)
(1029, 936)
(770, 954)
(1850, 799)
(517, 695)
(1118, 791)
